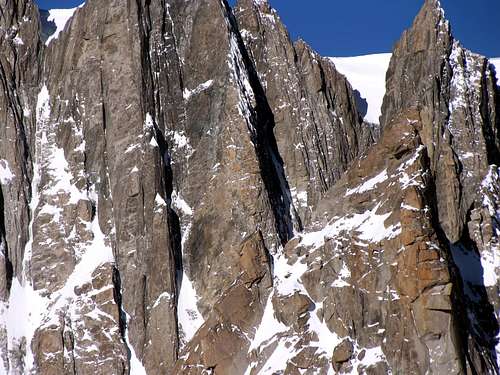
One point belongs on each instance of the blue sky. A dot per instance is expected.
(349, 28)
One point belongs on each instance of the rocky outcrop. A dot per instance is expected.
(374, 268)
(457, 97)
(318, 128)
(124, 173)
(186, 191)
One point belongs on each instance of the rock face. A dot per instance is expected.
(318, 128)
(186, 191)
(457, 97)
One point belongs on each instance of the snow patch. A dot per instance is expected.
(57, 168)
(326, 339)
(490, 257)
(188, 315)
(299, 197)
(343, 275)
(187, 94)
(268, 328)
(60, 17)
(136, 366)
(370, 184)
(369, 226)
(287, 276)
(18, 41)
(159, 203)
(277, 362)
(38, 308)
(371, 357)
(180, 204)
(6, 175)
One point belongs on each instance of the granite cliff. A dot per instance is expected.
(185, 190)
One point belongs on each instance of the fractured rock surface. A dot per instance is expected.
(184, 190)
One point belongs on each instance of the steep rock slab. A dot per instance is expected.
(318, 129)
(19, 74)
(455, 89)
(129, 172)
(457, 96)
(227, 176)
(222, 343)
(98, 267)
(155, 223)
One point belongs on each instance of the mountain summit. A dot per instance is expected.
(184, 190)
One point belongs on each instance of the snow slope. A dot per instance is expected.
(60, 17)
(367, 75)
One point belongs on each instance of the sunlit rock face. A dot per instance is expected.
(184, 190)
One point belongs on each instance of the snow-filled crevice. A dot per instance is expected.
(189, 319)
(24, 303)
(155, 50)
(136, 366)
(40, 308)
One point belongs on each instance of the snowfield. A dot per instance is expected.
(60, 17)
(367, 75)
